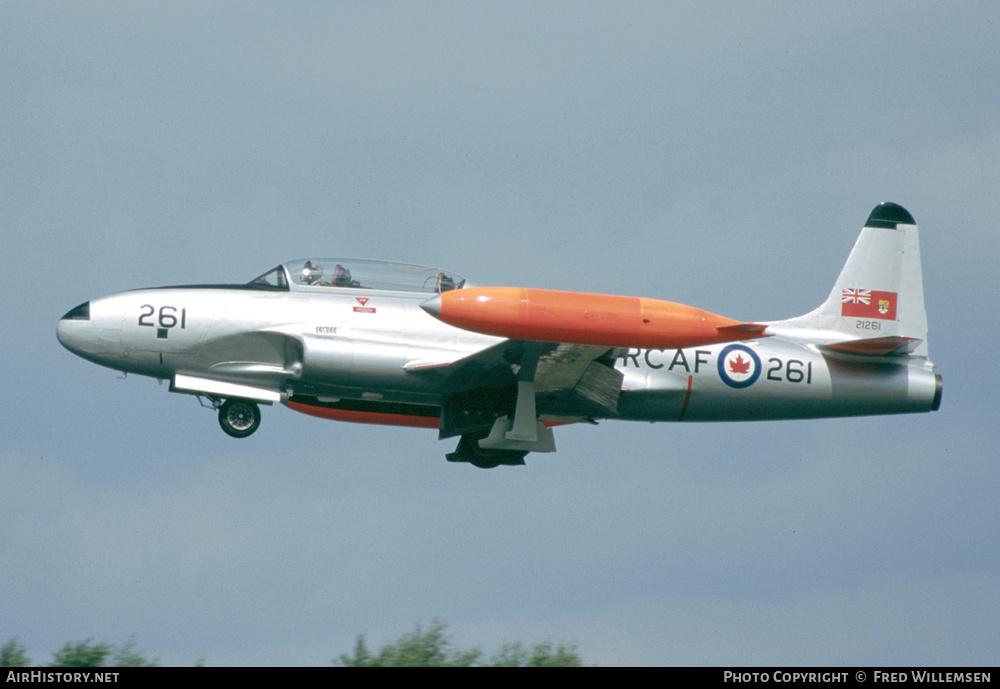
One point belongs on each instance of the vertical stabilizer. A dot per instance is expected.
(879, 295)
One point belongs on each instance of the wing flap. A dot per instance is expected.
(578, 372)
(562, 368)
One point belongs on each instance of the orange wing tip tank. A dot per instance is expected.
(589, 319)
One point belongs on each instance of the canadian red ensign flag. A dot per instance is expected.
(868, 303)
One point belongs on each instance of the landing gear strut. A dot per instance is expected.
(239, 418)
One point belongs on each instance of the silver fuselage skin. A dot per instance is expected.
(379, 347)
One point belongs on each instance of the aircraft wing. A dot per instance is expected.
(585, 371)
(572, 382)
(562, 345)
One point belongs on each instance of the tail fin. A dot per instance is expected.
(877, 304)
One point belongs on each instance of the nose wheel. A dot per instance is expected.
(239, 418)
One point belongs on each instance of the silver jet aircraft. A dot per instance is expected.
(499, 367)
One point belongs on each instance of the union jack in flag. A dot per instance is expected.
(856, 296)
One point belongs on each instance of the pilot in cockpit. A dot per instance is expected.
(312, 273)
(342, 278)
(445, 283)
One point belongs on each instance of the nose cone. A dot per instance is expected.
(433, 306)
(72, 326)
(91, 334)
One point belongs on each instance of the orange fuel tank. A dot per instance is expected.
(579, 318)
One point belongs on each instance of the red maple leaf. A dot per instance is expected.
(738, 365)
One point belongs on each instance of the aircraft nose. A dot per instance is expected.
(92, 336)
(71, 329)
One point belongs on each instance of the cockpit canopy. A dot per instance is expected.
(327, 273)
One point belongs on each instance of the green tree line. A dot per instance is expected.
(431, 647)
(79, 654)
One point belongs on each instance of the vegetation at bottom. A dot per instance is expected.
(79, 654)
(431, 647)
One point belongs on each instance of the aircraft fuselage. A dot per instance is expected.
(371, 347)
(384, 343)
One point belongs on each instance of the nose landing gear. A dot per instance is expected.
(239, 418)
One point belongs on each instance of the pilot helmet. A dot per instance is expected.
(341, 277)
(311, 273)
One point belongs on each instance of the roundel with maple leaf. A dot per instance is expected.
(739, 366)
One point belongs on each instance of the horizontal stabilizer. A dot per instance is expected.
(877, 346)
(742, 331)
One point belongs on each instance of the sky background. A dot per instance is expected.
(724, 155)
